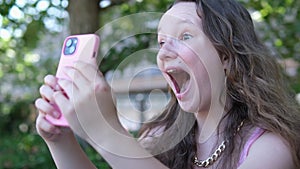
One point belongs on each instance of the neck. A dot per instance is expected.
(200, 118)
(208, 122)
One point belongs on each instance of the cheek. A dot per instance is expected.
(202, 88)
(192, 61)
(205, 59)
(199, 50)
(202, 79)
(188, 55)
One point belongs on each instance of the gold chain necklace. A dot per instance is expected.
(210, 160)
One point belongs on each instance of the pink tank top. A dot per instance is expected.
(255, 135)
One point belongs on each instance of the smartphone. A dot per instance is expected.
(75, 48)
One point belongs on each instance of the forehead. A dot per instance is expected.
(181, 12)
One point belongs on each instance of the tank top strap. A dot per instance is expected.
(254, 136)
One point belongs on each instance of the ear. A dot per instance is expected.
(225, 62)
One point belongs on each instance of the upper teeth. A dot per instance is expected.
(171, 70)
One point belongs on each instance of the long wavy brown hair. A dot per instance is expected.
(255, 85)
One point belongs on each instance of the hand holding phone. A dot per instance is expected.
(75, 48)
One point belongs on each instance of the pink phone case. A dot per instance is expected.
(76, 47)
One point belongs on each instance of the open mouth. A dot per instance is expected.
(180, 79)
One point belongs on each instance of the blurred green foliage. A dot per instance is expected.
(24, 150)
(22, 67)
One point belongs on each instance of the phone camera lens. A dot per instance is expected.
(72, 49)
(75, 41)
(70, 46)
(69, 42)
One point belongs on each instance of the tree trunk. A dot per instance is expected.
(84, 16)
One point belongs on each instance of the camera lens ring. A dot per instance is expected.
(69, 42)
(72, 49)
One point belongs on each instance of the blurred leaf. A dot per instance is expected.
(31, 35)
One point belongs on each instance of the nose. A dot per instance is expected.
(168, 49)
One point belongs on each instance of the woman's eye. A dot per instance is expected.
(161, 43)
(186, 36)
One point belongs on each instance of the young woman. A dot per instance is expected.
(229, 106)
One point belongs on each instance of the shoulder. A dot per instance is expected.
(270, 151)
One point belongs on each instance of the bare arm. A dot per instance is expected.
(90, 110)
(67, 153)
(270, 151)
(61, 142)
(127, 155)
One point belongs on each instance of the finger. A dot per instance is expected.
(51, 81)
(63, 103)
(68, 87)
(94, 76)
(47, 92)
(89, 71)
(45, 128)
(45, 107)
(77, 78)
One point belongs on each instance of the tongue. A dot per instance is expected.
(177, 88)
